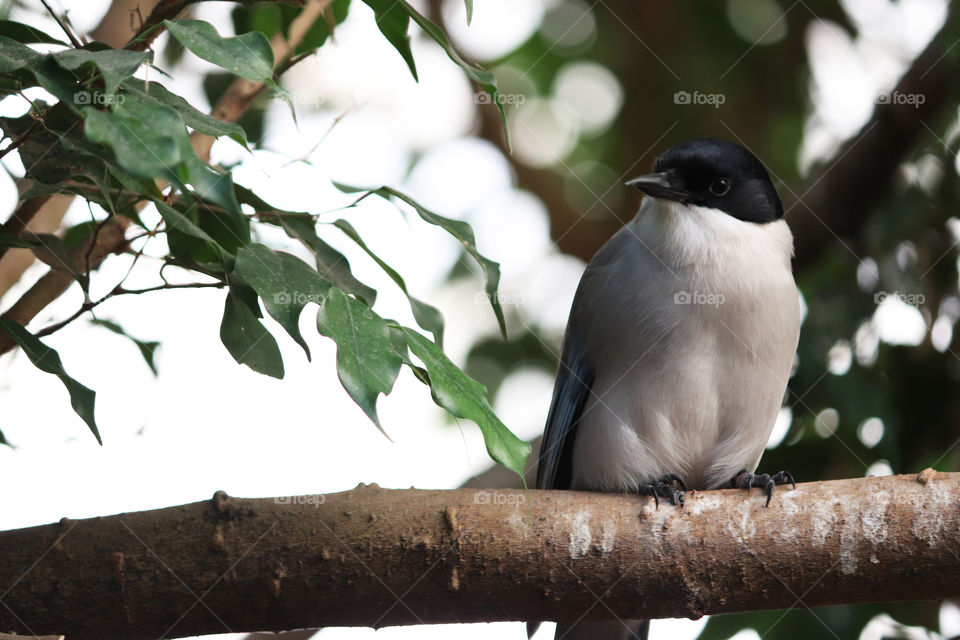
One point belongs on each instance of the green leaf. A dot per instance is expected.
(208, 184)
(249, 55)
(394, 23)
(469, 4)
(46, 359)
(15, 56)
(331, 264)
(284, 282)
(27, 34)
(367, 363)
(247, 340)
(463, 232)
(427, 316)
(464, 397)
(7, 239)
(183, 234)
(115, 65)
(147, 348)
(145, 150)
(192, 117)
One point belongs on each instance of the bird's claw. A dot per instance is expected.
(665, 487)
(747, 480)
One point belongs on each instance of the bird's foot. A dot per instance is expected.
(665, 487)
(746, 480)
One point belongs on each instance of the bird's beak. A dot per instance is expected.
(665, 184)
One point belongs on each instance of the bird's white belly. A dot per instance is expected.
(704, 413)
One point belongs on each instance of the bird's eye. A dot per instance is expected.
(720, 186)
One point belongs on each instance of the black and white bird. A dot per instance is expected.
(679, 344)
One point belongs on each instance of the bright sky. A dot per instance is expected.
(206, 423)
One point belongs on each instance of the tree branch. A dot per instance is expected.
(378, 557)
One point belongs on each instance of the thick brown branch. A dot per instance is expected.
(377, 557)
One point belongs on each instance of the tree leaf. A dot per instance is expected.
(208, 184)
(367, 363)
(179, 227)
(15, 56)
(145, 150)
(284, 282)
(427, 316)
(192, 117)
(26, 34)
(115, 65)
(331, 264)
(464, 397)
(249, 55)
(460, 230)
(394, 23)
(7, 239)
(147, 348)
(46, 359)
(247, 340)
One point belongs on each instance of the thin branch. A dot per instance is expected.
(120, 291)
(73, 39)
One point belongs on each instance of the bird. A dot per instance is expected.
(679, 345)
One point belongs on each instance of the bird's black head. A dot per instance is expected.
(715, 173)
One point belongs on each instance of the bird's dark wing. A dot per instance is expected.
(570, 393)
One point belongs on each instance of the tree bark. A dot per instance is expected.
(378, 557)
